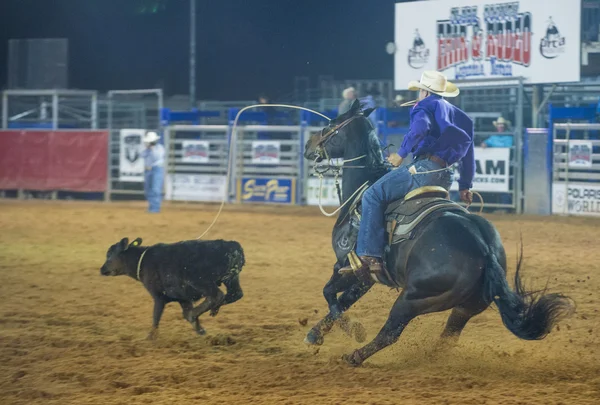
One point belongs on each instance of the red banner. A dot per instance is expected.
(54, 160)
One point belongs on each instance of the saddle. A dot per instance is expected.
(403, 216)
(403, 219)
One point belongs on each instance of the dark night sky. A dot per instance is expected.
(244, 46)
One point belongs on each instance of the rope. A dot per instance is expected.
(330, 214)
(233, 139)
(480, 199)
(139, 266)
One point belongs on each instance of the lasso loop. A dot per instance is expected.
(234, 139)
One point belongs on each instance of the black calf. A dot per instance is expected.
(183, 272)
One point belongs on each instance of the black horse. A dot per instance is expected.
(455, 260)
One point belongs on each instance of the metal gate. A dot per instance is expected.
(137, 110)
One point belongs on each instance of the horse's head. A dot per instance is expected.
(344, 131)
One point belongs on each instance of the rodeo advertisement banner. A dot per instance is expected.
(475, 39)
(131, 163)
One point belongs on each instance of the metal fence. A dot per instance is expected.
(50, 109)
(129, 109)
(576, 170)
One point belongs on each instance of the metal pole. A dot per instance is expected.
(94, 107)
(55, 110)
(518, 170)
(535, 102)
(110, 155)
(565, 208)
(5, 110)
(192, 54)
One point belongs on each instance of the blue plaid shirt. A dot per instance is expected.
(154, 156)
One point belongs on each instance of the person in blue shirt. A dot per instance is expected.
(154, 162)
(499, 141)
(440, 135)
(369, 102)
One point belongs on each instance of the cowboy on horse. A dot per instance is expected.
(440, 135)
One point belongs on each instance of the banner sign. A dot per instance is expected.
(54, 160)
(576, 199)
(195, 151)
(266, 152)
(474, 39)
(329, 197)
(196, 187)
(580, 154)
(131, 163)
(266, 190)
(492, 170)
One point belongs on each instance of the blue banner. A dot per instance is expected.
(266, 190)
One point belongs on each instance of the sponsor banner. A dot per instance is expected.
(131, 163)
(492, 170)
(266, 190)
(195, 151)
(580, 154)
(195, 187)
(473, 39)
(266, 152)
(576, 199)
(329, 196)
(54, 160)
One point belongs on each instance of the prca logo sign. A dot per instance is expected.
(418, 55)
(552, 44)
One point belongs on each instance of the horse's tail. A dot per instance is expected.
(529, 315)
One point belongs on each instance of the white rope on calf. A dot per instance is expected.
(139, 266)
(234, 139)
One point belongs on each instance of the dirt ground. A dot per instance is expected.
(70, 336)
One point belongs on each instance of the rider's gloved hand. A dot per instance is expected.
(466, 196)
(395, 159)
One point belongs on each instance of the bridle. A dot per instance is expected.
(320, 150)
(321, 154)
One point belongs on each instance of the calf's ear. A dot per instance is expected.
(123, 244)
(136, 242)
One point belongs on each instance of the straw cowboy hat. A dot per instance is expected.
(436, 83)
(347, 91)
(501, 121)
(398, 100)
(151, 137)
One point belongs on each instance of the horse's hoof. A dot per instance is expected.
(312, 338)
(353, 359)
(201, 331)
(152, 335)
(359, 332)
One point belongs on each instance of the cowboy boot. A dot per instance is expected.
(365, 268)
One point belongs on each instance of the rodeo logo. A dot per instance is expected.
(197, 151)
(418, 55)
(132, 147)
(552, 44)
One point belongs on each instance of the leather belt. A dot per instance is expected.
(433, 158)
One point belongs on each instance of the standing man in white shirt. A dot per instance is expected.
(154, 173)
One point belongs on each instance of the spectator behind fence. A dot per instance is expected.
(499, 141)
(369, 102)
(348, 95)
(154, 161)
(270, 117)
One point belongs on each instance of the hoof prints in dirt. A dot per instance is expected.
(221, 340)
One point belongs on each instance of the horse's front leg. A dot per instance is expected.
(353, 290)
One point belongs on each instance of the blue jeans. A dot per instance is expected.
(153, 187)
(391, 187)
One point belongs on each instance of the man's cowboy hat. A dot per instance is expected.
(151, 137)
(399, 99)
(436, 83)
(347, 91)
(501, 121)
